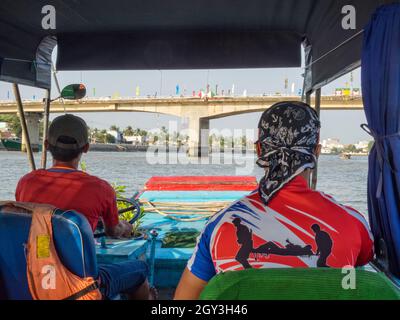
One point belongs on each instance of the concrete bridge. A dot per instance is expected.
(197, 112)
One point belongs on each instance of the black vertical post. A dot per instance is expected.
(308, 98)
(318, 110)
(45, 127)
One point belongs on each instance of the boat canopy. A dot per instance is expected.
(180, 34)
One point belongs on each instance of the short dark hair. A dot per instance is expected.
(65, 155)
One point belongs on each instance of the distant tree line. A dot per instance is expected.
(351, 148)
(14, 124)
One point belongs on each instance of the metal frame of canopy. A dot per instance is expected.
(241, 27)
(42, 66)
(179, 35)
(24, 126)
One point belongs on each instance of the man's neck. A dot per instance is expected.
(71, 164)
(306, 175)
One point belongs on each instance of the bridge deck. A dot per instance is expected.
(236, 105)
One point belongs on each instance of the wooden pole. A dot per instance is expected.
(318, 110)
(308, 98)
(24, 126)
(45, 127)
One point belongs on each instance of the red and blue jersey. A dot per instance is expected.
(298, 228)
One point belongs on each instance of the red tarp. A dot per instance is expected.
(193, 183)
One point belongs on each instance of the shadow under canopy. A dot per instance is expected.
(179, 34)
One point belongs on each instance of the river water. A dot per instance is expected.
(346, 180)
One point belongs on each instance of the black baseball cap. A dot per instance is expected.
(69, 126)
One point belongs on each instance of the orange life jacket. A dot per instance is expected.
(48, 278)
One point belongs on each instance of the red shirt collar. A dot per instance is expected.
(297, 183)
(63, 168)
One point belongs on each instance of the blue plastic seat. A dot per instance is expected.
(73, 240)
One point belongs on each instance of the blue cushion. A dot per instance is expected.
(73, 239)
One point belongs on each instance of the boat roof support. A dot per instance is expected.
(47, 102)
(24, 126)
(314, 176)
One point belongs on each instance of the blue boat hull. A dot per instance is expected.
(169, 263)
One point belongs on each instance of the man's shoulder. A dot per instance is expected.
(31, 175)
(98, 182)
(330, 200)
(250, 203)
(347, 211)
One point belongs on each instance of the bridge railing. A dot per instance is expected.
(187, 97)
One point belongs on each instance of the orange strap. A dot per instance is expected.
(48, 279)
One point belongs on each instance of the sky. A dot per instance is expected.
(343, 125)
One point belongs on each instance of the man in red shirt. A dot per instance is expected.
(284, 223)
(67, 188)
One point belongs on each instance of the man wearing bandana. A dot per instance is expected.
(284, 223)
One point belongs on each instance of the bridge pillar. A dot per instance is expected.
(198, 137)
(33, 124)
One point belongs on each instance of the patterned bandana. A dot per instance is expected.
(288, 136)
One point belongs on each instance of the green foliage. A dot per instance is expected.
(109, 138)
(335, 150)
(183, 239)
(350, 148)
(222, 142)
(83, 166)
(13, 123)
(243, 141)
(114, 128)
(120, 191)
(101, 136)
(129, 132)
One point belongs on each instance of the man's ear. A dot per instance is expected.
(258, 144)
(86, 148)
(258, 148)
(318, 150)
